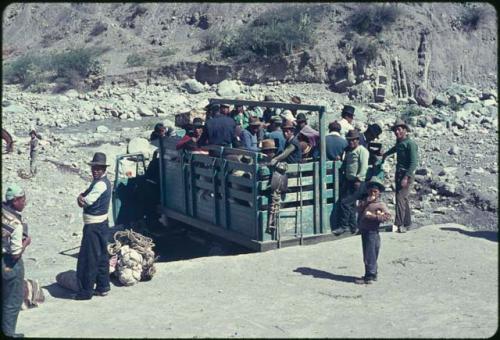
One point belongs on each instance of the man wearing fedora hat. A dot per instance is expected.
(292, 152)
(269, 148)
(93, 260)
(347, 118)
(372, 211)
(406, 162)
(274, 132)
(251, 136)
(354, 170)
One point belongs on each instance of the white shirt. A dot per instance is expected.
(98, 189)
(345, 126)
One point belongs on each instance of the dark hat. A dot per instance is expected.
(301, 117)
(296, 100)
(159, 126)
(98, 159)
(268, 144)
(400, 122)
(374, 129)
(214, 108)
(268, 98)
(254, 121)
(198, 122)
(348, 110)
(352, 134)
(375, 182)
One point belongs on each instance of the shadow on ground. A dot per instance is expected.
(486, 234)
(55, 290)
(320, 274)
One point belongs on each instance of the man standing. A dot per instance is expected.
(268, 112)
(33, 144)
(292, 152)
(335, 144)
(406, 162)
(93, 260)
(374, 149)
(219, 130)
(251, 137)
(346, 121)
(274, 132)
(354, 166)
(15, 239)
(193, 133)
(372, 212)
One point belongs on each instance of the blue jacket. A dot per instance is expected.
(249, 141)
(335, 146)
(220, 130)
(279, 139)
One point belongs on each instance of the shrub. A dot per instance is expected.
(273, 33)
(472, 17)
(135, 59)
(73, 66)
(373, 19)
(169, 51)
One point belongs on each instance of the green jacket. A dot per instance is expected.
(356, 163)
(406, 156)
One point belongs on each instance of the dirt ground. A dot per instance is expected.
(438, 281)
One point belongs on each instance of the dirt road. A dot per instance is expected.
(435, 281)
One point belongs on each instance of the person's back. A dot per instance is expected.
(220, 130)
(335, 143)
(279, 139)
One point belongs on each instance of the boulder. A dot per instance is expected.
(102, 129)
(228, 88)
(71, 93)
(193, 86)
(142, 145)
(423, 97)
(441, 100)
(145, 111)
(489, 102)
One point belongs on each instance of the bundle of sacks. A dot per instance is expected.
(132, 257)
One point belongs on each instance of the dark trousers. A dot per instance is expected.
(370, 240)
(93, 259)
(12, 293)
(347, 205)
(403, 212)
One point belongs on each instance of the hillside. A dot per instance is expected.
(432, 44)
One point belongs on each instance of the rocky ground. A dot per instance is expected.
(456, 178)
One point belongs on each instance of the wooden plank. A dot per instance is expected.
(303, 167)
(240, 180)
(203, 172)
(215, 230)
(202, 184)
(246, 196)
(231, 166)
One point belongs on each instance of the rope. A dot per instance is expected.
(126, 244)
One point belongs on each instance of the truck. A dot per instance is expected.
(229, 198)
